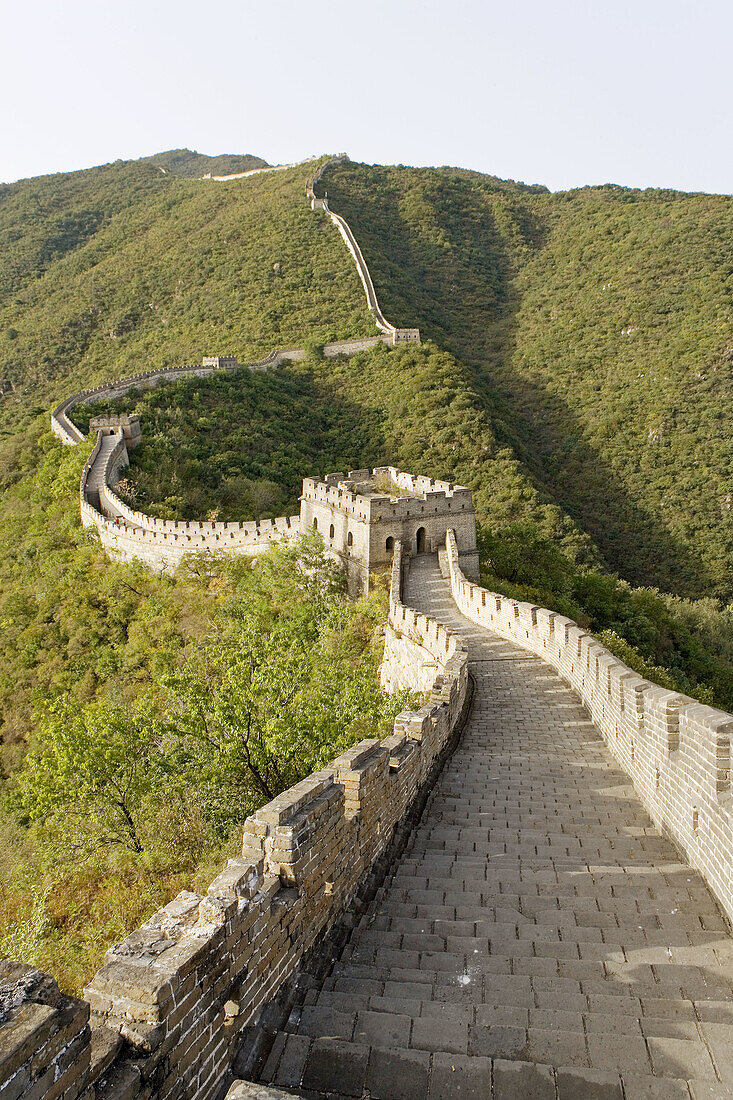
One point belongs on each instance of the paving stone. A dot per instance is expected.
(398, 1005)
(719, 1038)
(337, 1067)
(322, 1022)
(398, 1074)
(710, 1090)
(587, 1084)
(555, 1047)
(497, 1042)
(668, 1029)
(625, 1053)
(654, 1088)
(448, 1035)
(382, 1029)
(606, 1023)
(502, 1016)
(290, 1068)
(440, 1009)
(523, 1081)
(456, 1077)
(680, 1058)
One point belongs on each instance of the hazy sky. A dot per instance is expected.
(564, 93)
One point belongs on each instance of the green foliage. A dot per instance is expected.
(94, 765)
(283, 679)
(110, 271)
(238, 446)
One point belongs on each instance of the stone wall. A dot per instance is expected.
(45, 1040)
(675, 750)
(169, 1002)
(68, 433)
(416, 647)
(395, 335)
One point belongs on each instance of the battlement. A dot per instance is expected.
(370, 492)
(364, 514)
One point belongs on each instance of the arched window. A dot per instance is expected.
(390, 543)
(331, 531)
(350, 539)
(420, 539)
(315, 524)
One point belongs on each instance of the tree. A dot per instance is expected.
(94, 768)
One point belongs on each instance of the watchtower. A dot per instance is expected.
(362, 516)
(128, 425)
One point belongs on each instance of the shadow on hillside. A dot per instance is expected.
(576, 476)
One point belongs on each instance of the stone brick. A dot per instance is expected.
(336, 1066)
(522, 1080)
(398, 1074)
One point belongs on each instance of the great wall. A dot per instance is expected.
(525, 891)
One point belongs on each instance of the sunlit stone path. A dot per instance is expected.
(537, 939)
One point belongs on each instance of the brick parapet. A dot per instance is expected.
(675, 750)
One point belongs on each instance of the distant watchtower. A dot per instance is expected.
(362, 516)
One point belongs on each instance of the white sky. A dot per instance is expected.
(560, 92)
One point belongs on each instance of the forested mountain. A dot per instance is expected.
(576, 374)
(597, 324)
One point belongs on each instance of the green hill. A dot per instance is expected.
(185, 162)
(116, 269)
(575, 374)
(597, 324)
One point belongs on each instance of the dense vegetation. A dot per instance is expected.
(414, 407)
(581, 396)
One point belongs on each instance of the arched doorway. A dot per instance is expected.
(390, 543)
(420, 540)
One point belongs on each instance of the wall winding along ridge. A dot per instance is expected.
(170, 1002)
(161, 544)
(675, 750)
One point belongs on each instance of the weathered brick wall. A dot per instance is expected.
(179, 989)
(675, 750)
(45, 1039)
(417, 647)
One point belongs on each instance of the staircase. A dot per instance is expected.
(537, 939)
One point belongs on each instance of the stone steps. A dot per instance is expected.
(537, 938)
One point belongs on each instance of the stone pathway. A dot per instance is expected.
(538, 938)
